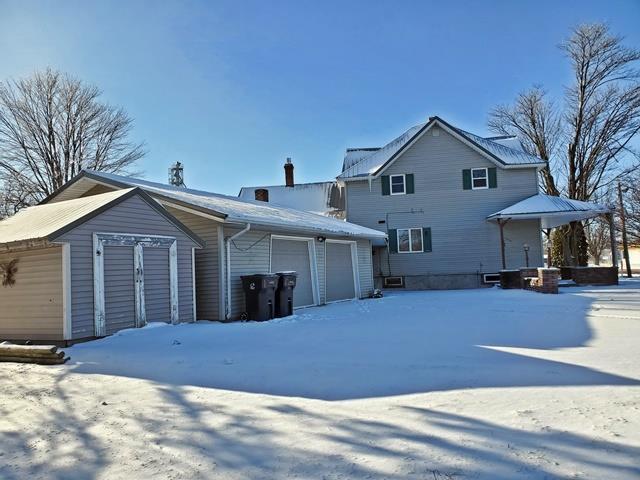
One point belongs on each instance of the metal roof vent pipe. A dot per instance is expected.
(288, 173)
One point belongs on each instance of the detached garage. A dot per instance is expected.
(91, 266)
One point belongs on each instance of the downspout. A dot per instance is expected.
(228, 251)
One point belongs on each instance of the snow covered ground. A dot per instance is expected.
(486, 384)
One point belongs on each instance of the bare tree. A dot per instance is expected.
(597, 232)
(535, 120)
(52, 126)
(632, 209)
(586, 142)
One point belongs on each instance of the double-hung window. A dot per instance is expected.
(398, 184)
(479, 178)
(410, 240)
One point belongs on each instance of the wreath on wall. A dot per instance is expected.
(8, 272)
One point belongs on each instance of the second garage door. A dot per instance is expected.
(293, 255)
(339, 271)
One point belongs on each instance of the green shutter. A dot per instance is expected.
(493, 178)
(393, 240)
(386, 188)
(466, 179)
(410, 183)
(426, 239)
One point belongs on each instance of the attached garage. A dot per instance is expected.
(92, 266)
(333, 258)
(297, 254)
(341, 270)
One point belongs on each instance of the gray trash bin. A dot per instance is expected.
(259, 294)
(284, 294)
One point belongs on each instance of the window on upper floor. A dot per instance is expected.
(398, 184)
(479, 178)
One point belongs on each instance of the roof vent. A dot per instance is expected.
(262, 194)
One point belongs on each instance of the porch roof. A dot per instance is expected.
(552, 211)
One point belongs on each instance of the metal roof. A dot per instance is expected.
(51, 220)
(234, 210)
(552, 211)
(43, 221)
(503, 151)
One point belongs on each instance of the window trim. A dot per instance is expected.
(486, 178)
(404, 184)
(409, 229)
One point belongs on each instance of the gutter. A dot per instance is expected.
(228, 241)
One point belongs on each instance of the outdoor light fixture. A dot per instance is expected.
(321, 239)
(526, 254)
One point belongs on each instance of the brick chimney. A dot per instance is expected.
(288, 173)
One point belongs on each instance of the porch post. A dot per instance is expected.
(612, 235)
(547, 232)
(501, 224)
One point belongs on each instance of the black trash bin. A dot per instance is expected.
(259, 294)
(284, 294)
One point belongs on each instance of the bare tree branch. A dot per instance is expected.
(52, 126)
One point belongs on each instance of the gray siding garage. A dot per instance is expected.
(247, 237)
(95, 265)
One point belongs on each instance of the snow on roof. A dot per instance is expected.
(354, 155)
(508, 141)
(310, 197)
(43, 221)
(505, 151)
(552, 211)
(369, 164)
(235, 210)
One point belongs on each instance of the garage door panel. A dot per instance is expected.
(293, 255)
(119, 289)
(340, 284)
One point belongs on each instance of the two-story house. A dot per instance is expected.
(431, 189)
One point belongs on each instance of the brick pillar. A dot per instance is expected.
(548, 280)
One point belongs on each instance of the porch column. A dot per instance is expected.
(612, 235)
(501, 224)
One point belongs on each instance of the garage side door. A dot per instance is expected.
(119, 289)
(157, 291)
(293, 255)
(339, 271)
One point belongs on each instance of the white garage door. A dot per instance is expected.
(293, 255)
(339, 268)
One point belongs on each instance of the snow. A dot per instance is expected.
(310, 197)
(553, 211)
(479, 384)
(507, 151)
(236, 210)
(511, 142)
(41, 221)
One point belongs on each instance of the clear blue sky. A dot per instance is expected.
(232, 88)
